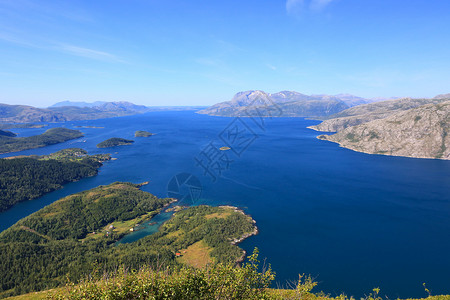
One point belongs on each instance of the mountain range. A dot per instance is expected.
(284, 104)
(76, 111)
(400, 127)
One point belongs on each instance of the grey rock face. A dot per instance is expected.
(422, 132)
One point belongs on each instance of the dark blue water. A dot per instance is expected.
(353, 221)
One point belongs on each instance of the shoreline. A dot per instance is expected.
(245, 236)
(320, 137)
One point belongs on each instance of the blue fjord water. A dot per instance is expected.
(353, 221)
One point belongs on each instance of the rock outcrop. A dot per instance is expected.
(422, 132)
(369, 112)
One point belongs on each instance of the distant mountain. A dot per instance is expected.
(422, 132)
(443, 96)
(368, 112)
(78, 103)
(352, 100)
(284, 103)
(104, 110)
(28, 114)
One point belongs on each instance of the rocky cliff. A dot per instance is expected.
(369, 112)
(422, 132)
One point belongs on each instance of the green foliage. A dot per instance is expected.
(114, 142)
(42, 249)
(57, 242)
(352, 137)
(218, 281)
(28, 178)
(50, 137)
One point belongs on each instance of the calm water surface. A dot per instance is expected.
(353, 221)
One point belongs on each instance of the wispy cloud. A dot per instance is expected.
(13, 39)
(272, 67)
(206, 61)
(294, 7)
(89, 53)
(56, 46)
(318, 5)
(297, 7)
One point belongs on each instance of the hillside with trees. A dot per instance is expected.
(76, 235)
(27, 178)
(50, 137)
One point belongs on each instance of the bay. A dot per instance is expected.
(353, 221)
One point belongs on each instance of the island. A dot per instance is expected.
(29, 177)
(112, 142)
(78, 234)
(9, 143)
(142, 133)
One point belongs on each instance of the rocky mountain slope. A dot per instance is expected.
(369, 112)
(283, 104)
(421, 132)
(25, 114)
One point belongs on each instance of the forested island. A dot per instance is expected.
(27, 178)
(9, 143)
(75, 235)
(142, 133)
(112, 142)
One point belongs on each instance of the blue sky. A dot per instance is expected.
(199, 52)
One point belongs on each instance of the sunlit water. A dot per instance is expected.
(353, 221)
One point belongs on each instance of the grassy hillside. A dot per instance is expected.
(27, 178)
(217, 281)
(77, 234)
(49, 137)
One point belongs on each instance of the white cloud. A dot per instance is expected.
(272, 67)
(56, 46)
(294, 7)
(89, 53)
(319, 5)
(206, 61)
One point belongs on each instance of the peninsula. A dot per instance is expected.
(26, 178)
(421, 132)
(11, 143)
(79, 232)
